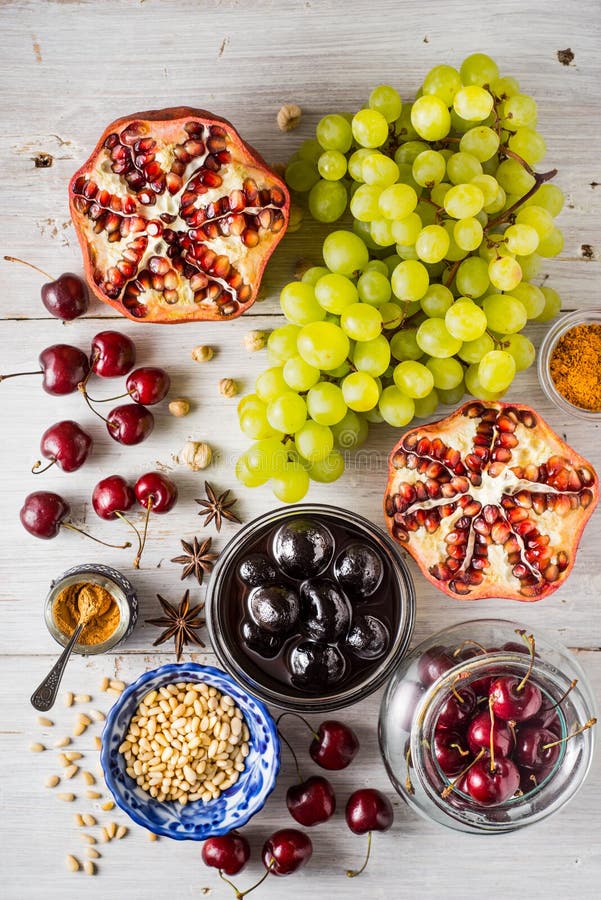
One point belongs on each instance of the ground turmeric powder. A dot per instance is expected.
(575, 366)
(86, 601)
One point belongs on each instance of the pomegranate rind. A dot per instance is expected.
(96, 251)
(536, 536)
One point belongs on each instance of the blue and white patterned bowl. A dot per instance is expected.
(196, 821)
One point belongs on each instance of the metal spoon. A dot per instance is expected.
(45, 694)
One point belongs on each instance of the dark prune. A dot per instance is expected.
(359, 570)
(257, 570)
(314, 666)
(262, 642)
(303, 548)
(274, 608)
(368, 637)
(325, 612)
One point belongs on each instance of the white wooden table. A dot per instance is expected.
(68, 68)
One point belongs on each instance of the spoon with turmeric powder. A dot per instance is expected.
(88, 605)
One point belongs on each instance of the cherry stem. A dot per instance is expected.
(492, 728)
(81, 387)
(459, 677)
(460, 749)
(540, 178)
(18, 374)
(352, 873)
(466, 643)
(133, 527)
(294, 756)
(408, 783)
(530, 643)
(73, 527)
(451, 787)
(35, 469)
(296, 716)
(579, 730)
(30, 265)
(240, 894)
(562, 698)
(144, 533)
(106, 399)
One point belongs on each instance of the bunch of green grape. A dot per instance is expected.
(425, 298)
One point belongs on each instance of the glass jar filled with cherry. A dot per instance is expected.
(487, 726)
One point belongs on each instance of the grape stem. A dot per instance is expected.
(452, 273)
(540, 178)
(505, 151)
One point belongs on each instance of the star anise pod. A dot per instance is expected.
(196, 558)
(217, 507)
(180, 622)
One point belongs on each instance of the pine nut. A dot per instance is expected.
(117, 685)
(72, 863)
(121, 832)
(88, 838)
(62, 742)
(97, 715)
(88, 778)
(52, 781)
(37, 748)
(104, 683)
(82, 719)
(72, 755)
(79, 729)
(89, 867)
(104, 835)
(68, 698)
(97, 743)
(68, 798)
(63, 760)
(111, 829)
(71, 771)
(152, 836)
(78, 819)
(44, 722)
(92, 853)
(93, 795)
(88, 820)
(82, 698)
(108, 805)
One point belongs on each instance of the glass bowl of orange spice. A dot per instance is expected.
(569, 364)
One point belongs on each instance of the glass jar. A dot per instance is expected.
(112, 581)
(411, 706)
(553, 335)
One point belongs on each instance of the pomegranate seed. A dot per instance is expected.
(562, 560)
(212, 180)
(193, 128)
(110, 141)
(158, 265)
(506, 423)
(500, 532)
(250, 238)
(133, 131)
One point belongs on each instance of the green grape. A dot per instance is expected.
(266, 457)
(489, 187)
(513, 177)
(498, 203)
(325, 403)
(496, 370)
(387, 101)
(299, 375)
(301, 175)
(406, 252)
(310, 150)
(323, 345)
(493, 247)
(331, 165)
(473, 103)
(552, 305)
(531, 297)
(521, 349)
(478, 68)
(408, 152)
(481, 142)
(281, 343)
(468, 233)
(403, 127)
(430, 117)
(436, 300)
(376, 265)
(299, 305)
(428, 168)
(364, 202)
(355, 163)
(381, 232)
(374, 287)
(425, 406)
(350, 432)
(361, 322)
(374, 417)
(327, 200)
(413, 379)
(503, 88)
(530, 266)
(459, 125)
(410, 280)
(291, 484)
(439, 192)
(474, 386)
(472, 351)
(270, 384)
(518, 112)
(454, 253)
(528, 144)
(446, 373)
(334, 133)
(405, 231)
(254, 424)
(335, 292)
(504, 313)
(463, 201)
(538, 218)
(406, 177)
(504, 273)
(550, 197)
(443, 81)
(329, 469)
(250, 402)
(287, 412)
(312, 275)
(340, 371)
(434, 338)
(462, 167)
(314, 442)
(372, 356)
(245, 476)
(379, 169)
(360, 391)
(392, 315)
(521, 239)
(396, 408)
(432, 243)
(392, 262)
(344, 252)
(370, 128)
(465, 320)
(452, 396)
(551, 244)
(363, 230)
(403, 345)
(427, 213)
(396, 202)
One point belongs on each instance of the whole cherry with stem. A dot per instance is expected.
(512, 698)
(484, 731)
(43, 514)
(456, 710)
(66, 445)
(334, 744)
(147, 385)
(542, 747)
(113, 354)
(491, 784)
(155, 493)
(286, 851)
(449, 751)
(229, 852)
(65, 297)
(128, 424)
(367, 810)
(62, 368)
(311, 801)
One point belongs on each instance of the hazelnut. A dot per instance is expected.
(289, 117)
(228, 387)
(255, 340)
(202, 353)
(196, 455)
(179, 407)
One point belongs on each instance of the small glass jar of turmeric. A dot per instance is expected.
(569, 364)
(103, 595)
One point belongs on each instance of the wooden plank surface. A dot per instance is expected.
(67, 69)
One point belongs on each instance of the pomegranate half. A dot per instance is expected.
(490, 502)
(177, 216)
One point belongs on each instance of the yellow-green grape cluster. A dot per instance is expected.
(425, 298)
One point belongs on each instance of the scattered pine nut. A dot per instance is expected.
(289, 117)
(44, 722)
(93, 795)
(89, 838)
(78, 819)
(72, 863)
(97, 715)
(37, 748)
(111, 830)
(72, 755)
(93, 853)
(97, 743)
(89, 867)
(88, 778)
(79, 729)
(62, 742)
(110, 804)
(63, 760)
(83, 719)
(104, 835)
(68, 798)
(121, 832)
(89, 820)
(117, 685)
(68, 698)
(52, 781)
(152, 836)
(104, 683)
(82, 698)
(71, 771)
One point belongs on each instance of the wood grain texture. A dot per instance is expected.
(70, 67)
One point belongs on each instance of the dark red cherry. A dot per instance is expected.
(312, 801)
(514, 698)
(457, 709)
(478, 735)
(42, 514)
(433, 664)
(112, 495)
(368, 810)
(155, 491)
(531, 750)
(547, 718)
(334, 746)
(113, 354)
(65, 297)
(130, 423)
(286, 851)
(489, 786)
(63, 368)
(148, 385)
(450, 751)
(229, 852)
(65, 444)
